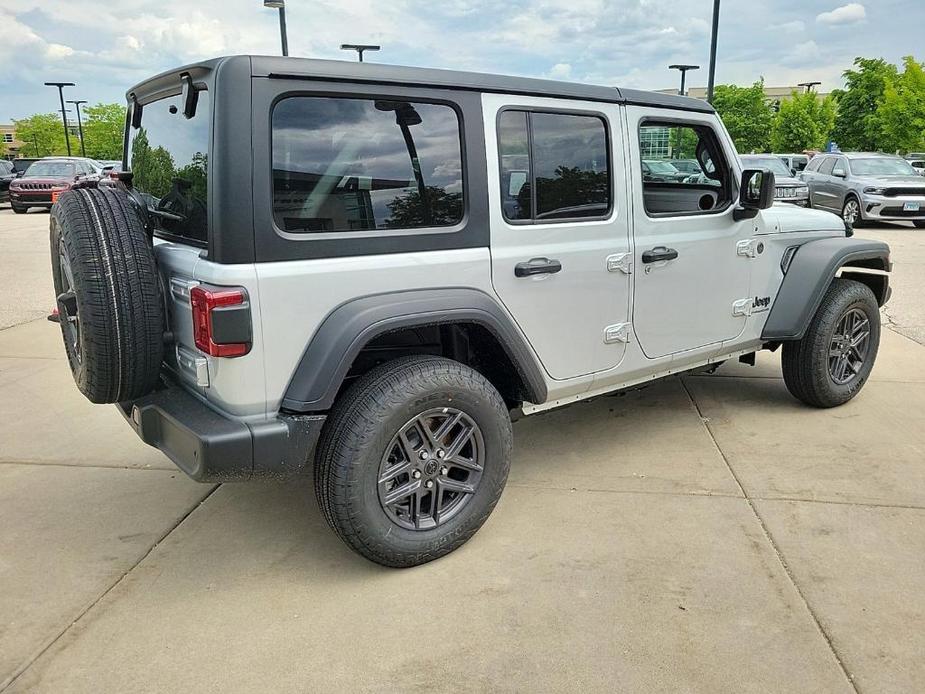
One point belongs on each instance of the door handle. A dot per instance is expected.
(659, 253)
(537, 266)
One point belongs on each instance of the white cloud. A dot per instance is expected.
(560, 71)
(57, 51)
(806, 53)
(795, 27)
(851, 13)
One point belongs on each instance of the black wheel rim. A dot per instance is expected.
(67, 302)
(849, 347)
(431, 468)
(851, 212)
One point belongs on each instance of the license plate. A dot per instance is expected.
(54, 197)
(911, 206)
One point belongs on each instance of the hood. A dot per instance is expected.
(783, 218)
(788, 181)
(887, 181)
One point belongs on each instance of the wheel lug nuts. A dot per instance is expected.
(424, 455)
(441, 454)
(429, 484)
(416, 474)
(444, 470)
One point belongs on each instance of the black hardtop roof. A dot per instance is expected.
(354, 71)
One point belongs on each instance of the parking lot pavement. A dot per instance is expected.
(25, 282)
(705, 534)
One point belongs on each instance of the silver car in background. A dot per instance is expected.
(862, 186)
(787, 188)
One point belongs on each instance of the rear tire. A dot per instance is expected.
(384, 459)
(919, 223)
(108, 296)
(833, 361)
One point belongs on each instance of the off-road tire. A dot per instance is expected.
(919, 223)
(120, 313)
(358, 432)
(19, 210)
(805, 362)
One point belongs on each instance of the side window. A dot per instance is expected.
(827, 165)
(347, 164)
(554, 166)
(813, 164)
(666, 189)
(841, 166)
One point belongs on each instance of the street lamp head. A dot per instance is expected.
(684, 68)
(275, 4)
(59, 84)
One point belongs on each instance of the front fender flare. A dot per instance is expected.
(809, 275)
(348, 328)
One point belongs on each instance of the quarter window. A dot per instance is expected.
(553, 166)
(344, 164)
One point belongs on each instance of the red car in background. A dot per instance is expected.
(47, 178)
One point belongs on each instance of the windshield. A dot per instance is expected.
(661, 167)
(881, 166)
(773, 163)
(51, 169)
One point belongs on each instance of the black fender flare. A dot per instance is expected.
(349, 327)
(811, 271)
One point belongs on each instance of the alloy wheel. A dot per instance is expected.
(849, 346)
(431, 468)
(67, 302)
(852, 211)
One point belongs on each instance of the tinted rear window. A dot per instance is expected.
(345, 164)
(168, 156)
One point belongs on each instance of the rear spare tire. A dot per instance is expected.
(108, 298)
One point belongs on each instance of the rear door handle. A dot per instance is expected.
(537, 266)
(659, 253)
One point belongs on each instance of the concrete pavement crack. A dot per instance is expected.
(11, 680)
(767, 533)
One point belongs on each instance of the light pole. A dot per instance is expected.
(712, 77)
(61, 86)
(80, 126)
(359, 48)
(808, 85)
(683, 70)
(281, 6)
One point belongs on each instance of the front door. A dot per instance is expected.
(559, 235)
(691, 283)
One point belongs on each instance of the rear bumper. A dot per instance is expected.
(212, 447)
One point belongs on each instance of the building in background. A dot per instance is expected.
(8, 136)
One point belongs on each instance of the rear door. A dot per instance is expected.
(690, 280)
(559, 235)
(822, 188)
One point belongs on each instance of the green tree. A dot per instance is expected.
(41, 135)
(407, 211)
(153, 166)
(803, 122)
(747, 115)
(857, 124)
(103, 127)
(901, 115)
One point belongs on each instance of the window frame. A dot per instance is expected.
(608, 148)
(731, 182)
(363, 234)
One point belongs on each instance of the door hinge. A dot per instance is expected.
(750, 248)
(620, 262)
(619, 332)
(742, 307)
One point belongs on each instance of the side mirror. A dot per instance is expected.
(756, 192)
(839, 173)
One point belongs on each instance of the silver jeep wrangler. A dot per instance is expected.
(363, 271)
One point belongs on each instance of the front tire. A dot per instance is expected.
(19, 210)
(851, 212)
(919, 223)
(833, 361)
(413, 459)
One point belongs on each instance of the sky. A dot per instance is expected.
(106, 47)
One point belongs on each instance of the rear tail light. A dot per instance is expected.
(221, 320)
